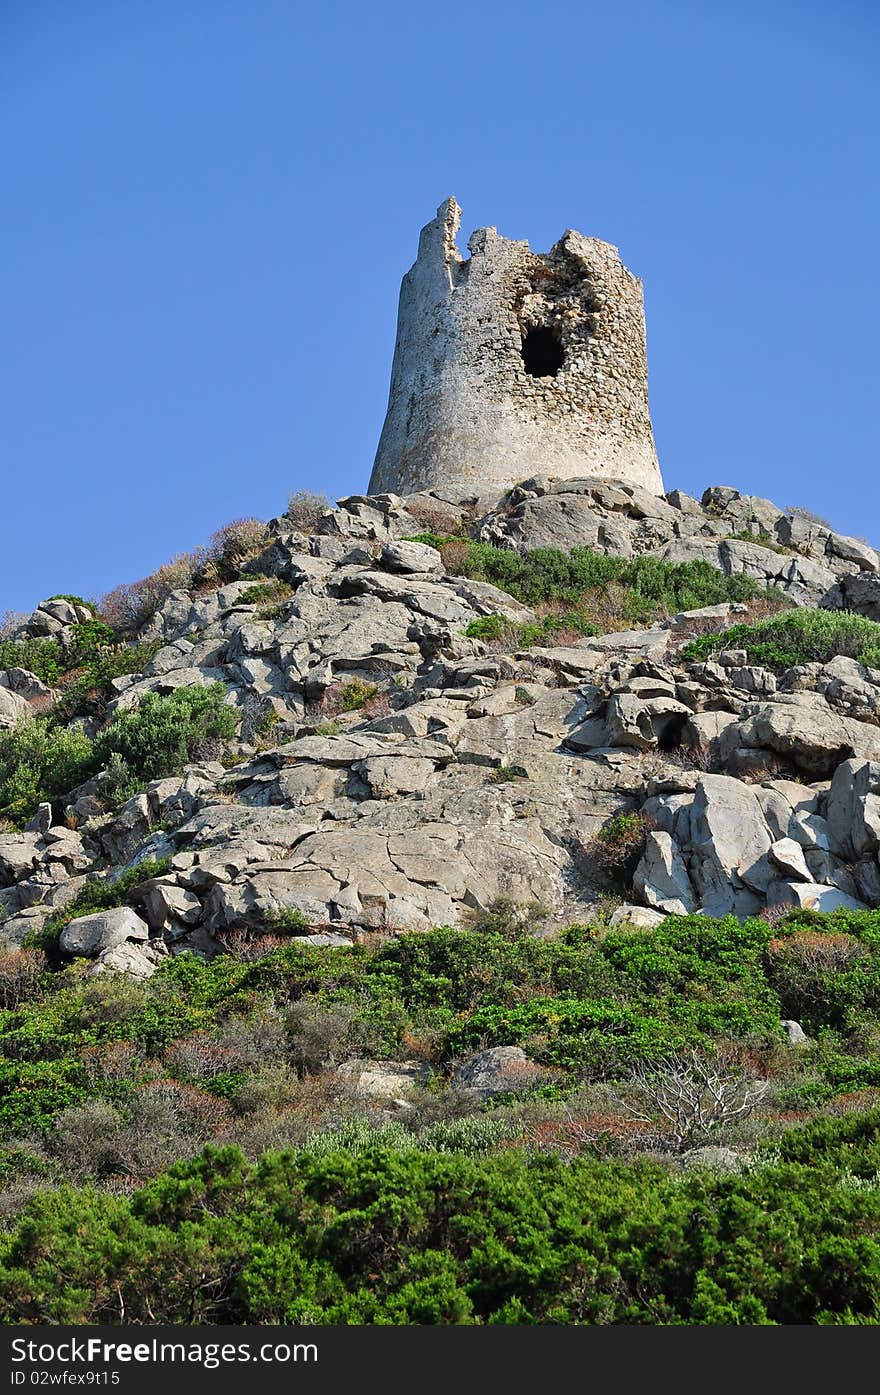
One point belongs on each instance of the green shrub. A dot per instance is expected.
(356, 693)
(549, 574)
(87, 642)
(268, 589)
(436, 540)
(163, 733)
(40, 761)
(796, 637)
(391, 1234)
(288, 918)
(88, 693)
(40, 656)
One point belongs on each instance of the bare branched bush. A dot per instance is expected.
(235, 543)
(777, 915)
(689, 1095)
(320, 1034)
(453, 554)
(130, 606)
(10, 622)
(305, 509)
(85, 1137)
(197, 1057)
(611, 857)
(247, 945)
(801, 967)
(112, 1063)
(605, 1134)
(20, 971)
(434, 515)
(377, 706)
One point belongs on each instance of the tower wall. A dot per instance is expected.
(462, 406)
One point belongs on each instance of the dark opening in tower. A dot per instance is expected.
(542, 353)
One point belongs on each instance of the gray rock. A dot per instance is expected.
(729, 846)
(795, 1032)
(854, 809)
(788, 856)
(41, 821)
(661, 878)
(136, 960)
(90, 935)
(385, 1079)
(635, 917)
(13, 707)
(411, 557)
(813, 896)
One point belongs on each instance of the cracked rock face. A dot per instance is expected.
(473, 774)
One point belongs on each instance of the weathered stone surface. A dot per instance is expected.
(729, 844)
(814, 896)
(91, 934)
(410, 557)
(854, 809)
(661, 877)
(13, 707)
(385, 1079)
(802, 727)
(788, 857)
(794, 1032)
(469, 402)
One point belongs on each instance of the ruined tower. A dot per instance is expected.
(511, 363)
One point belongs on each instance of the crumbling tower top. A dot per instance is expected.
(512, 363)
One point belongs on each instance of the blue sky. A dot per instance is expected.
(210, 204)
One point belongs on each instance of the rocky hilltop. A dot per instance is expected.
(428, 718)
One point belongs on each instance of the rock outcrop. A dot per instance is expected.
(467, 772)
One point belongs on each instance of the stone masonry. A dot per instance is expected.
(512, 363)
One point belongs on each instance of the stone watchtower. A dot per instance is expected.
(512, 363)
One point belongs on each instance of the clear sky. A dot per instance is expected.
(209, 205)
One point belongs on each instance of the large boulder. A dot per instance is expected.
(854, 809)
(729, 846)
(90, 935)
(661, 878)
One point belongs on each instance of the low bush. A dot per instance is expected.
(305, 508)
(370, 1230)
(796, 637)
(41, 656)
(356, 693)
(653, 587)
(611, 857)
(40, 761)
(163, 733)
(582, 593)
(229, 548)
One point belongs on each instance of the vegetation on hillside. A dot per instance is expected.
(583, 592)
(560, 1205)
(796, 637)
(41, 759)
